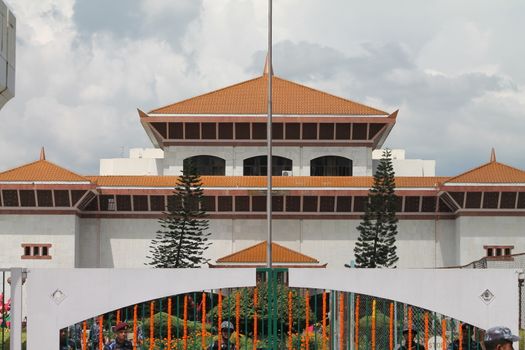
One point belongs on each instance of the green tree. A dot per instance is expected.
(183, 237)
(376, 244)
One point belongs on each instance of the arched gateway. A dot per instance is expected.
(58, 298)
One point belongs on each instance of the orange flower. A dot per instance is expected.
(219, 317)
(307, 318)
(203, 329)
(169, 325)
(185, 324)
(237, 320)
(151, 324)
(290, 320)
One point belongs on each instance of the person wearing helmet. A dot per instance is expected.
(499, 338)
(467, 342)
(227, 330)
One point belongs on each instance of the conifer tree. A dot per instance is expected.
(183, 237)
(376, 244)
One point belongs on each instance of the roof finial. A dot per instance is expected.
(42, 154)
(266, 70)
(493, 155)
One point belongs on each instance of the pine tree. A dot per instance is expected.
(183, 238)
(376, 244)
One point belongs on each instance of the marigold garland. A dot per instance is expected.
(290, 320)
(135, 309)
(307, 319)
(391, 328)
(151, 325)
(255, 303)
(460, 335)
(84, 335)
(410, 327)
(185, 324)
(357, 300)
(118, 316)
(341, 320)
(426, 330)
(168, 335)
(219, 318)
(324, 322)
(101, 332)
(237, 320)
(444, 333)
(373, 324)
(203, 319)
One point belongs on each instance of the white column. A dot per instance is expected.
(15, 341)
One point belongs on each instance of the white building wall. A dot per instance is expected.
(475, 232)
(58, 230)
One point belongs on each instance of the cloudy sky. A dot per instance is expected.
(453, 68)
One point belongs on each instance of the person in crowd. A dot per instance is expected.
(414, 345)
(65, 342)
(467, 341)
(121, 341)
(227, 330)
(499, 338)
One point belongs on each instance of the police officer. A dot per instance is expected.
(121, 341)
(227, 330)
(499, 338)
(467, 343)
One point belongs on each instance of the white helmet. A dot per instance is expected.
(227, 324)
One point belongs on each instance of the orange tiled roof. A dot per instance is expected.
(41, 170)
(249, 97)
(260, 181)
(257, 254)
(491, 172)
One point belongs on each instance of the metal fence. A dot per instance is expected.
(5, 307)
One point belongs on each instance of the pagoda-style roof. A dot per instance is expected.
(492, 172)
(256, 254)
(250, 97)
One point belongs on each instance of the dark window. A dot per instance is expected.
(490, 251)
(342, 131)
(398, 201)
(140, 203)
(208, 203)
(521, 200)
(331, 166)
(92, 205)
(309, 131)
(310, 203)
(242, 131)
(490, 200)
(161, 129)
(225, 203)
(45, 251)
(508, 200)
(107, 203)
(293, 203)
(76, 195)
(27, 251)
(360, 203)
(359, 131)
(175, 131)
(412, 204)
(327, 204)
(27, 198)
(258, 203)
(292, 131)
(225, 131)
(374, 129)
(344, 204)
(277, 203)
(458, 197)
(192, 131)
(277, 131)
(242, 203)
(444, 207)
(174, 203)
(326, 131)
(10, 198)
(45, 198)
(61, 198)
(473, 200)
(507, 251)
(157, 203)
(36, 250)
(257, 166)
(259, 131)
(123, 203)
(209, 131)
(428, 205)
(206, 165)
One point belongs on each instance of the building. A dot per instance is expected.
(7, 54)
(323, 165)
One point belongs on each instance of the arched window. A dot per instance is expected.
(206, 165)
(331, 166)
(257, 166)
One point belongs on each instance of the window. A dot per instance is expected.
(257, 166)
(496, 252)
(36, 250)
(331, 166)
(206, 165)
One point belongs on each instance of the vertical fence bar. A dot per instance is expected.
(357, 301)
(444, 333)
(101, 332)
(324, 322)
(168, 330)
(306, 319)
(246, 319)
(426, 331)
(135, 309)
(391, 327)
(84, 335)
(117, 321)
(290, 319)
(409, 340)
(194, 316)
(373, 324)
(219, 318)
(341, 321)
(178, 316)
(460, 337)
(237, 320)
(255, 303)
(2, 326)
(185, 324)
(203, 317)
(151, 325)
(160, 320)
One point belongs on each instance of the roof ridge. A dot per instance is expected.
(257, 245)
(43, 161)
(331, 95)
(206, 94)
(481, 167)
(20, 166)
(241, 251)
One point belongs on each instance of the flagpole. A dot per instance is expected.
(269, 143)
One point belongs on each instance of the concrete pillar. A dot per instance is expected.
(15, 341)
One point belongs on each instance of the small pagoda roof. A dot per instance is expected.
(250, 98)
(256, 254)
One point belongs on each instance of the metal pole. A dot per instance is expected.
(269, 143)
(15, 340)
